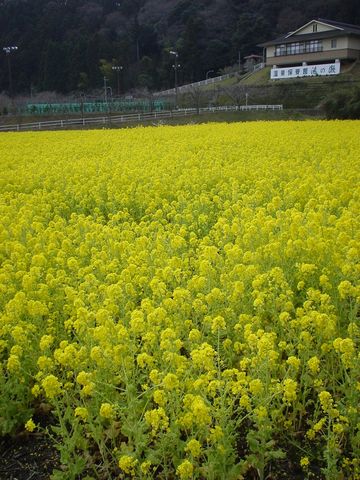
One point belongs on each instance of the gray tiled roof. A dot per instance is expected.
(348, 27)
(288, 38)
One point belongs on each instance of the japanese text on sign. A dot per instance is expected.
(305, 71)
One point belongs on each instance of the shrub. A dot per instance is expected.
(343, 105)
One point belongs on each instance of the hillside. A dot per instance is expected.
(69, 45)
(257, 88)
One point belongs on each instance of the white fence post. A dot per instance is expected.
(135, 116)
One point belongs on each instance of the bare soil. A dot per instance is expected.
(27, 456)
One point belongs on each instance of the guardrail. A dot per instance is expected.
(133, 117)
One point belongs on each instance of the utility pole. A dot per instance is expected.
(109, 105)
(82, 95)
(106, 97)
(105, 90)
(8, 51)
(175, 67)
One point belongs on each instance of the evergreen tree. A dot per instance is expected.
(61, 42)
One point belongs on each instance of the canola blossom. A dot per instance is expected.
(184, 300)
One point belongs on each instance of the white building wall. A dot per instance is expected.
(341, 43)
(270, 52)
(320, 28)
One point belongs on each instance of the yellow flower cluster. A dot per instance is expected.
(184, 299)
(127, 464)
(185, 470)
(51, 386)
(107, 411)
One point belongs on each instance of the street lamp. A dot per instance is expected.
(207, 73)
(118, 69)
(175, 67)
(8, 51)
(106, 89)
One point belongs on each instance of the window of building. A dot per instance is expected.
(333, 43)
(315, 27)
(280, 50)
(297, 48)
(313, 46)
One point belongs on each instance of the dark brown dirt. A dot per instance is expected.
(28, 456)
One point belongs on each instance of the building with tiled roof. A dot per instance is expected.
(318, 42)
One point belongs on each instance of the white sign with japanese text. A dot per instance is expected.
(305, 71)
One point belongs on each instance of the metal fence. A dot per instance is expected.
(113, 105)
(128, 118)
(209, 81)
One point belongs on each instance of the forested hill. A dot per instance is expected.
(67, 45)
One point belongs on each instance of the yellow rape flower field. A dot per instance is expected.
(184, 300)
